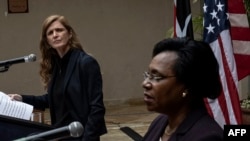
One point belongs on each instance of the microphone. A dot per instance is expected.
(25, 59)
(74, 129)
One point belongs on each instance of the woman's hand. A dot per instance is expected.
(16, 97)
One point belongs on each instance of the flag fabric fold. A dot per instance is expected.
(226, 108)
(183, 19)
(240, 34)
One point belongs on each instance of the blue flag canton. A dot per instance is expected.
(215, 19)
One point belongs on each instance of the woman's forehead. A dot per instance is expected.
(163, 61)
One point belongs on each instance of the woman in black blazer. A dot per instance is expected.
(181, 74)
(72, 79)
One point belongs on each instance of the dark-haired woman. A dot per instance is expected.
(181, 74)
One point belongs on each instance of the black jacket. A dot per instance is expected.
(198, 126)
(83, 93)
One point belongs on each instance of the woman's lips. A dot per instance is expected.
(147, 98)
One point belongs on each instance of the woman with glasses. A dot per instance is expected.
(181, 74)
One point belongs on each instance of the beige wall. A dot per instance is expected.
(120, 34)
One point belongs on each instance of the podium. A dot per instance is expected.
(14, 128)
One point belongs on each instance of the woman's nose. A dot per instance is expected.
(146, 83)
(54, 33)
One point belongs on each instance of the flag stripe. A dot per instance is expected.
(225, 109)
(214, 107)
(240, 33)
(236, 6)
(231, 80)
(235, 18)
(244, 60)
(224, 101)
(241, 47)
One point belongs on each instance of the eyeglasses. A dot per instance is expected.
(154, 77)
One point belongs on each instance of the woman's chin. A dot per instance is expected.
(150, 108)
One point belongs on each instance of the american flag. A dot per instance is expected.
(240, 33)
(226, 108)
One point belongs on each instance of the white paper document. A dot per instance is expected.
(14, 108)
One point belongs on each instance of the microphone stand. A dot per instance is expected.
(4, 68)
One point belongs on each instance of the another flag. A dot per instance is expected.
(183, 19)
(240, 33)
(225, 109)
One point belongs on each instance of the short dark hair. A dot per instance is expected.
(196, 66)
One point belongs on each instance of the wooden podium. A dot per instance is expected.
(14, 128)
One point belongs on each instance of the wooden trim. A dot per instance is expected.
(18, 6)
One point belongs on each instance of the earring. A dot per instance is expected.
(184, 94)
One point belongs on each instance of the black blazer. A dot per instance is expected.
(198, 126)
(83, 93)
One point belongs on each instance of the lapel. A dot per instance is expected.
(189, 122)
(71, 66)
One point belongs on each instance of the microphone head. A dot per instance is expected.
(31, 58)
(75, 129)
